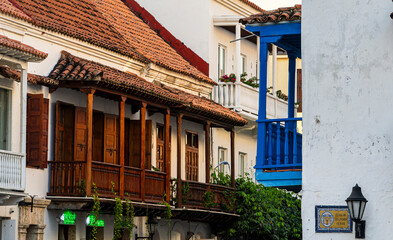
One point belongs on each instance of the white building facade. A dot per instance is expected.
(347, 125)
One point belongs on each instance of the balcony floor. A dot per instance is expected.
(288, 179)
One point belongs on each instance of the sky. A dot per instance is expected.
(273, 4)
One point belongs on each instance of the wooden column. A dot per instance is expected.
(167, 159)
(179, 161)
(143, 149)
(233, 157)
(89, 147)
(207, 151)
(122, 104)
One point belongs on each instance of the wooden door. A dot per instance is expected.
(192, 156)
(98, 136)
(110, 139)
(134, 143)
(80, 134)
(160, 147)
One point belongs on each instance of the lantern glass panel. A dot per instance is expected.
(356, 209)
(362, 207)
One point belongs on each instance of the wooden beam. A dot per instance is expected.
(179, 161)
(122, 104)
(233, 158)
(167, 159)
(143, 149)
(89, 149)
(207, 151)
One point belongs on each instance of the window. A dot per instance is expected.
(4, 119)
(222, 160)
(191, 156)
(160, 147)
(242, 163)
(221, 60)
(243, 66)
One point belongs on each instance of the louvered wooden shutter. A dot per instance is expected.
(299, 90)
(110, 139)
(135, 143)
(37, 130)
(80, 134)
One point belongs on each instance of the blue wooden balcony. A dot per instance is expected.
(281, 163)
(279, 151)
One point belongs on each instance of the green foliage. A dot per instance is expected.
(265, 213)
(95, 211)
(186, 194)
(227, 202)
(219, 178)
(209, 200)
(168, 213)
(118, 218)
(129, 219)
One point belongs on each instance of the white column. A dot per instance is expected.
(238, 65)
(274, 81)
(23, 120)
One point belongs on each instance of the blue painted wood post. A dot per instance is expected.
(261, 144)
(270, 144)
(278, 150)
(291, 85)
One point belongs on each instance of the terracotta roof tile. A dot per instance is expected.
(72, 68)
(107, 24)
(6, 6)
(275, 16)
(145, 40)
(10, 43)
(31, 78)
(202, 105)
(253, 5)
(79, 19)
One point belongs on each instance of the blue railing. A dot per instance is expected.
(283, 144)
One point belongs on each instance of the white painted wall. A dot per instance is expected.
(347, 135)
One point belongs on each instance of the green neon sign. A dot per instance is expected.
(68, 218)
(90, 220)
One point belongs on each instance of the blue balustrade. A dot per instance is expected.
(283, 148)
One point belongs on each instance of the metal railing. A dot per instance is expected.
(12, 170)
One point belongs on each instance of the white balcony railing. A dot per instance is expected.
(12, 170)
(244, 99)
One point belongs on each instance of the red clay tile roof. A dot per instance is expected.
(107, 24)
(9, 7)
(253, 5)
(10, 43)
(202, 105)
(79, 19)
(275, 16)
(145, 40)
(72, 68)
(31, 78)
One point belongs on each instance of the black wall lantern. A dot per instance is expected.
(356, 205)
(151, 225)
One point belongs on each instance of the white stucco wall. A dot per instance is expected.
(347, 86)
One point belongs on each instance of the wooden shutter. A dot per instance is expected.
(34, 148)
(148, 144)
(134, 147)
(45, 122)
(299, 90)
(80, 134)
(110, 139)
(98, 136)
(59, 135)
(192, 156)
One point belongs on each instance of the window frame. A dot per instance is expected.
(224, 60)
(242, 171)
(221, 168)
(9, 118)
(243, 63)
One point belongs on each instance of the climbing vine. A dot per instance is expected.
(129, 218)
(118, 218)
(95, 212)
(209, 200)
(186, 192)
(168, 213)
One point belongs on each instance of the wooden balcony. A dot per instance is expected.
(198, 195)
(68, 179)
(244, 99)
(281, 161)
(12, 171)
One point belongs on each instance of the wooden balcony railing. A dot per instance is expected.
(282, 148)
(206, 196)
(12, 171)
(68, 179)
